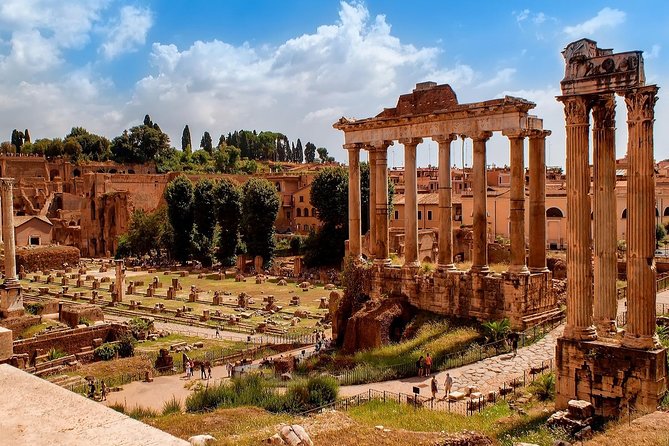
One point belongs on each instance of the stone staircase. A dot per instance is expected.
(67, 381)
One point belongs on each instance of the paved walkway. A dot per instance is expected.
(488, 374)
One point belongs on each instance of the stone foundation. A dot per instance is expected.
(526, 299)
(609, 376)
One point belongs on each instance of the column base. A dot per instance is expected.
(537, 270)
(580, 333)
(607, 329)
(479, 269)
(639, 342)
(382, 262)
(446, 267)
(518, 269)
(412, 264)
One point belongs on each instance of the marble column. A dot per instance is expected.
(382, 253)
(480, 197)
(641, 284)
(537, 255)
(517, 202)
(604, 214)
(579, 250)
(410, 202)
(353, 199)
(445, 261)
(372, 200)
(6, 186)
(120, 280)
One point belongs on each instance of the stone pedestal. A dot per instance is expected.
(609, 376)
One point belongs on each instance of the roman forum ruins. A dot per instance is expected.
(594, 361)
(524, 292)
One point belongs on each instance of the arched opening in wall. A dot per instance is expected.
(554, 213)
(53, 174)
(624, 213)
(72, 223)
(93, 210)
(76, 173)
(459, 257)
(58, 202)
(306, 212)
(396, 329)
(666, 212)
(101, 171)
(298, 212)
(427, 259)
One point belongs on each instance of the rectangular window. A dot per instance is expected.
(397, 215)
(429, 215)
(420, 215)
(34, 240)
(301, 198)
(288, 215)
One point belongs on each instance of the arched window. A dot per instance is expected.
(624, 213)
(306, 212)
(554, 213)
(76, 173)
(666, 212)
(298, 212)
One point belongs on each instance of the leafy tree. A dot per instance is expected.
(147, 121)
(206, 142)
(221, 141)
(186, 144)
(179, 198)
(93, 146)
(7, 147)
(17, 140)
(260, 205)
(660, 234)
(54, 148)
(287, 147)
(323, 155)
(72, 149)
(226, 158)
(141, 144)
(497, 330)
(309, 152)
(204, 217)
(229, 212)
(145, 231)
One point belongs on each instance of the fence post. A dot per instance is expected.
(384, 396)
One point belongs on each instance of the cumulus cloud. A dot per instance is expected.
(127, 32)
(606, 18)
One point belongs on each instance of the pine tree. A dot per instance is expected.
(147, 121)
(206, 143)
(221, 141)
(310, 152)
(26, 136)
(186, 144)
(298, 155)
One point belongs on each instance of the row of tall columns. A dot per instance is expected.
(641, 271)
(537, 171)
(591, 314)
(604, 215)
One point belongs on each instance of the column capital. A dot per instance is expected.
(482, 135)
(380, 145)
(641, 103)
(515, 133)
(6, 184)
(445, 139)
(576, 109)
(353, 146)
(410, 141)
(538, 134)
(604, 112)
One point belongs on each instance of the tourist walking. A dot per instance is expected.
(218, 332)
(103, 390)
(203, 371)
(208, 370)
(448, 385)
(428, 365)
(188, 369)
(514, 343)
(229, 368)
(433, 387)
(419, 365)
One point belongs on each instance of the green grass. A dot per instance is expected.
(37, 328)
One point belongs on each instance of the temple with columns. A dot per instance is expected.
(523, 293)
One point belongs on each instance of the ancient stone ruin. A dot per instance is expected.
(595, 363)
(524, 292)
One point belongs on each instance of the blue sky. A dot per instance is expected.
(297, 66)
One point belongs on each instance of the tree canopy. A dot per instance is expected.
(260, 205)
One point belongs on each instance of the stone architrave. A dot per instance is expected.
(410, 202)
(445, 253)
(354, 235)
(641, 270)
(579, 249)
(11, 297)
(604, 215)
(480, 218)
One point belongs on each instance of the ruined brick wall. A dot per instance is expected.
(69, 341)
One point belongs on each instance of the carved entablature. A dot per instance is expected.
(641, 104)
(592, 70)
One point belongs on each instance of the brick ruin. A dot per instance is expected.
(523, 293)
(596, 361)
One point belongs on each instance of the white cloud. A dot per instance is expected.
(127, 32)
(522, 15)
(503, 76)
(606, 18)
(654, 53)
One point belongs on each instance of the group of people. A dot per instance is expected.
(92, 389)
(424, 365)
(448, 385)
(205, 369)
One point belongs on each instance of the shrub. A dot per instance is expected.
(55, 353)
(85, 321)
(322, 390)
(33, 307)
(139, 413)
(544, 387)
(497, 330)
(106, 351)
(172, 406)
(296, 244)
(126, 346)
(46, 257)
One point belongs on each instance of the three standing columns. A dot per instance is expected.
(445, 261)
(354, 237)
(641, 277)
(410, 202)
(604, 212)
(579, 270)
(537, 255)
(480, 195)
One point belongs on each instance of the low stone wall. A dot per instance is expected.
(69, 341)
(18, 324)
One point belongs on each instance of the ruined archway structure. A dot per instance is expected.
(522, 294)
(595, 361)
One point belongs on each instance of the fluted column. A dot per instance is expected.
(382, 253)
(410, 202)
(353, 199)
(641, 285)
(445, 261)
(480, 217)
(517, 202)
(372, 200)
(537, 255)
(604, 212)
(6, 185)
(579, 269)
